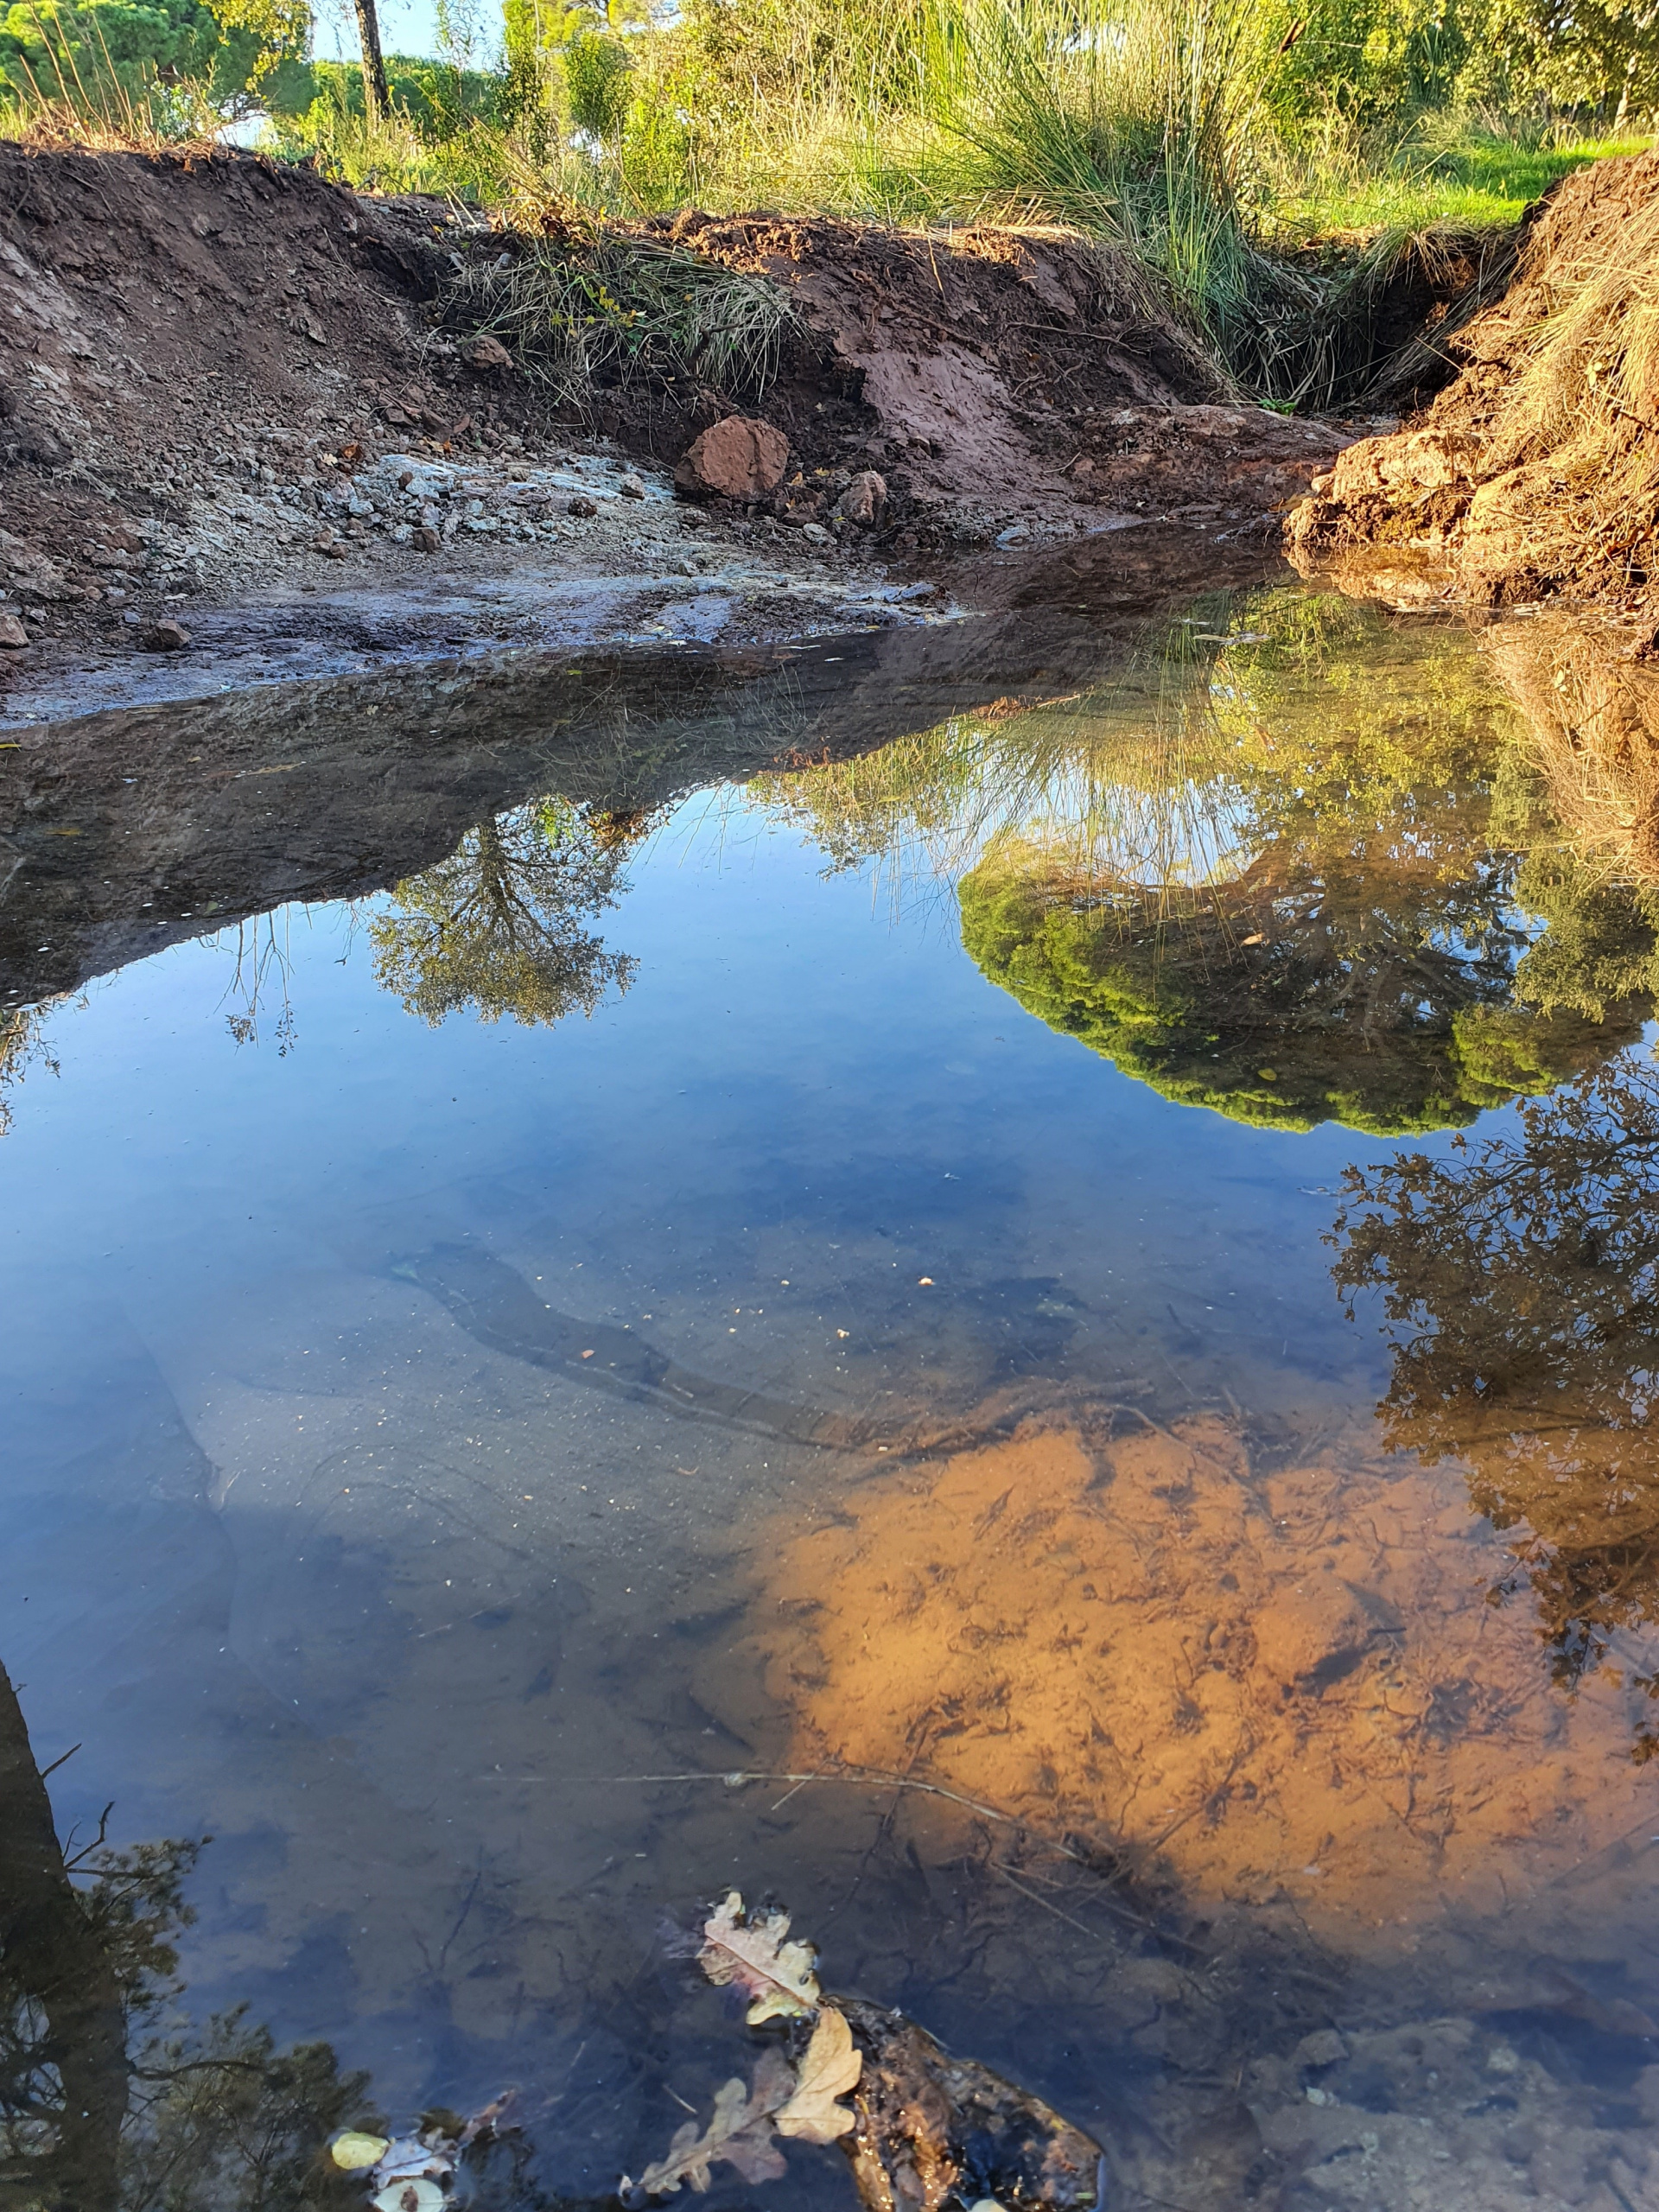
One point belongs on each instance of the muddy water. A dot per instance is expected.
(763, 1287)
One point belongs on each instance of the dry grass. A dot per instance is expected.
(1577, 422)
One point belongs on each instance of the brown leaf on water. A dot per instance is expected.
(740, 2132)
(752, 1951)
(830, 2068)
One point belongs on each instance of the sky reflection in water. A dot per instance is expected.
(818, 1359)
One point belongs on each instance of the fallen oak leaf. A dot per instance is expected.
(753, 1952)
(740, 2132)
(412, 2158)
(829, 2070)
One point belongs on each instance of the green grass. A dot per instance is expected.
(1476, 182)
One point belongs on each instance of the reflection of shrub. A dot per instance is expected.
(1602, 945)
(1286, 1001)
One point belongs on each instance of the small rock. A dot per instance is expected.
(815, 534)
(12, 635)
(1323, 2048)
(165, 636)
(1016, 534)
(426, 538)
(327, 544)
(583, 506)
(741, 458)
(631, 488)
(486, 353)
(865, 499)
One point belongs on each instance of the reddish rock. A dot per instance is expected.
(166, 636)
(486, 353)
(12, 635)
(865, 499)
(739, 459)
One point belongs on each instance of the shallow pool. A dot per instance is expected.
(776, 1273)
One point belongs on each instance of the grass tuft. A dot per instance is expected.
(588, 304)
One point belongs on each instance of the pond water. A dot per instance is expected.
(905, 1276)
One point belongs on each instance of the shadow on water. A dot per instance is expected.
(1029, 1597)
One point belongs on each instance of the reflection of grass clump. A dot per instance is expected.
(1285, 863)
(1369, 964)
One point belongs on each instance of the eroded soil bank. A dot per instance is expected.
(1534, 474)
(226, 384)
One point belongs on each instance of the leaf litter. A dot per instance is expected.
(924, 2128)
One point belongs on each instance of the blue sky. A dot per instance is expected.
(406, 27)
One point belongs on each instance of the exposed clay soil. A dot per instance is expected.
(1001, 372)
(1528, 477)
(216, 372)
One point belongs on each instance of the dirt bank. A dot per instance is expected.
(1534, 474)
(227, 383)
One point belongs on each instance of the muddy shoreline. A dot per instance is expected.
(234, 783)
(241, 411)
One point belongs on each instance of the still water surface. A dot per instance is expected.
(830, 1273)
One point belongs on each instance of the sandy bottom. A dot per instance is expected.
(1268, 1705)
(1276, 1686)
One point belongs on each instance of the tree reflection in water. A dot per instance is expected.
(109, 2098)
(1520, 1279)
(498, 926)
